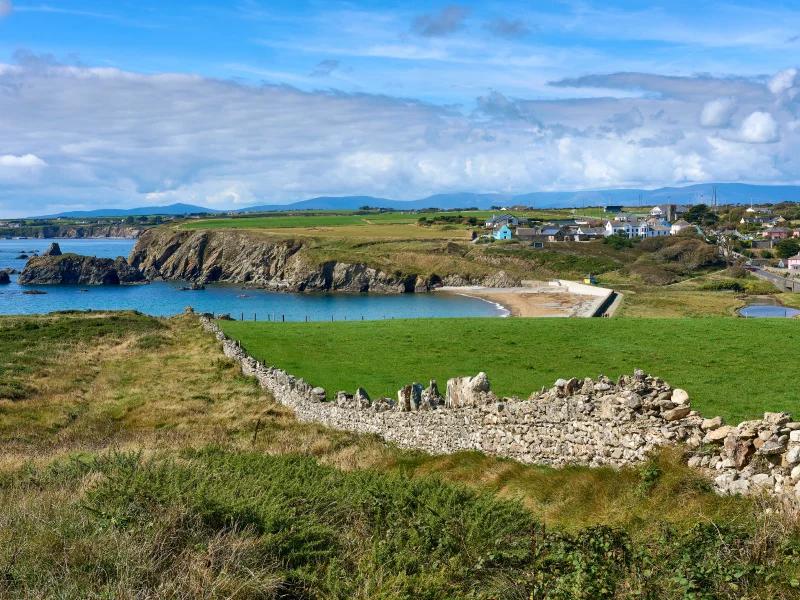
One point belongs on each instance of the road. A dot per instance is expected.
(779, 282)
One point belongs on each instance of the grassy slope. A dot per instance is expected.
(233, 521)
(735, 368)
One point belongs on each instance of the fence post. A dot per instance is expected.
(242, 316)
(283, 318)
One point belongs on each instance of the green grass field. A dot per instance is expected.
(340, 218)
(731, 367)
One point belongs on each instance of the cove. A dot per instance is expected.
(165, 298)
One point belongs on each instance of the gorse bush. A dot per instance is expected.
(724, 285)
(225, 524)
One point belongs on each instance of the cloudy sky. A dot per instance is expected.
(234, 103)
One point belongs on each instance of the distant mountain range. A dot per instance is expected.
(143, 211)
(727, 193)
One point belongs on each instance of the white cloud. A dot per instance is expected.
(6, 8)
(782, 81)
(112, 137)
(759, 128)
(718, 113)
(26, 161)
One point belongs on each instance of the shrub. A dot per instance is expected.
(618, 242)
(723, 285)
(736, 272)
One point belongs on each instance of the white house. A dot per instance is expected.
(793, 262)
(633, 228)
(679, 226)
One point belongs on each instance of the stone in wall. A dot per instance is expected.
(463, 392)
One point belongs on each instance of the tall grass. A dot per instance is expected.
(172, 476)
(215, 523)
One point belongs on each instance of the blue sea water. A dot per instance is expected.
(163, 299)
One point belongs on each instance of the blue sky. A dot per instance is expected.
(234, 103)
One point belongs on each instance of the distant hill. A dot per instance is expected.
(727, 193)
(455, 200)
(172, 209)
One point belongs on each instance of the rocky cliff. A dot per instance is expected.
(77, 269)
(244, 258)
(74, 231)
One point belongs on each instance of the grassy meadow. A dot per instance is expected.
(342, 218)
(736, 368)
(138, 463)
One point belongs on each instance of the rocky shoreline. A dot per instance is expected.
(76, 232)
(240, 258)
(53, 268)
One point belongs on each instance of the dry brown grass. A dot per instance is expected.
(157, 392)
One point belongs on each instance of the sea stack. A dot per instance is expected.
(53, 250)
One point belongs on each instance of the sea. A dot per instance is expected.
(166, 298)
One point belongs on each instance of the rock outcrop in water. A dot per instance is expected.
(235, 257)
(77, 269)
(4, 278)
(53, 250)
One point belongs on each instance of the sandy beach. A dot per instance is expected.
(531, 302)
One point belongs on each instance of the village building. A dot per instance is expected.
(528, 233)
(776, 233)
(660, 230)
(679, 226)
(612, 209)
(553, 234)
(504, 233)
(591, 232)
(793, 263)
(670, 212)
(496, 222)
(634, 228)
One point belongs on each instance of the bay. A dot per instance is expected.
(165, 298)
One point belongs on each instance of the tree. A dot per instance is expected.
(786, 248)
(700, 214)
(618, 241)
(129, 220)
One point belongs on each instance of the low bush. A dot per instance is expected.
(723, 285)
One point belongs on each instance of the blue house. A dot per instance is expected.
(504, 233)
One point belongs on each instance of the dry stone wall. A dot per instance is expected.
(585, 422)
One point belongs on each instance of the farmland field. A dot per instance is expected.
(730, 367)
(337, 219)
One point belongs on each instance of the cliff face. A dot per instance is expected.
(74, 231)
(77, 269)
(234, 257)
